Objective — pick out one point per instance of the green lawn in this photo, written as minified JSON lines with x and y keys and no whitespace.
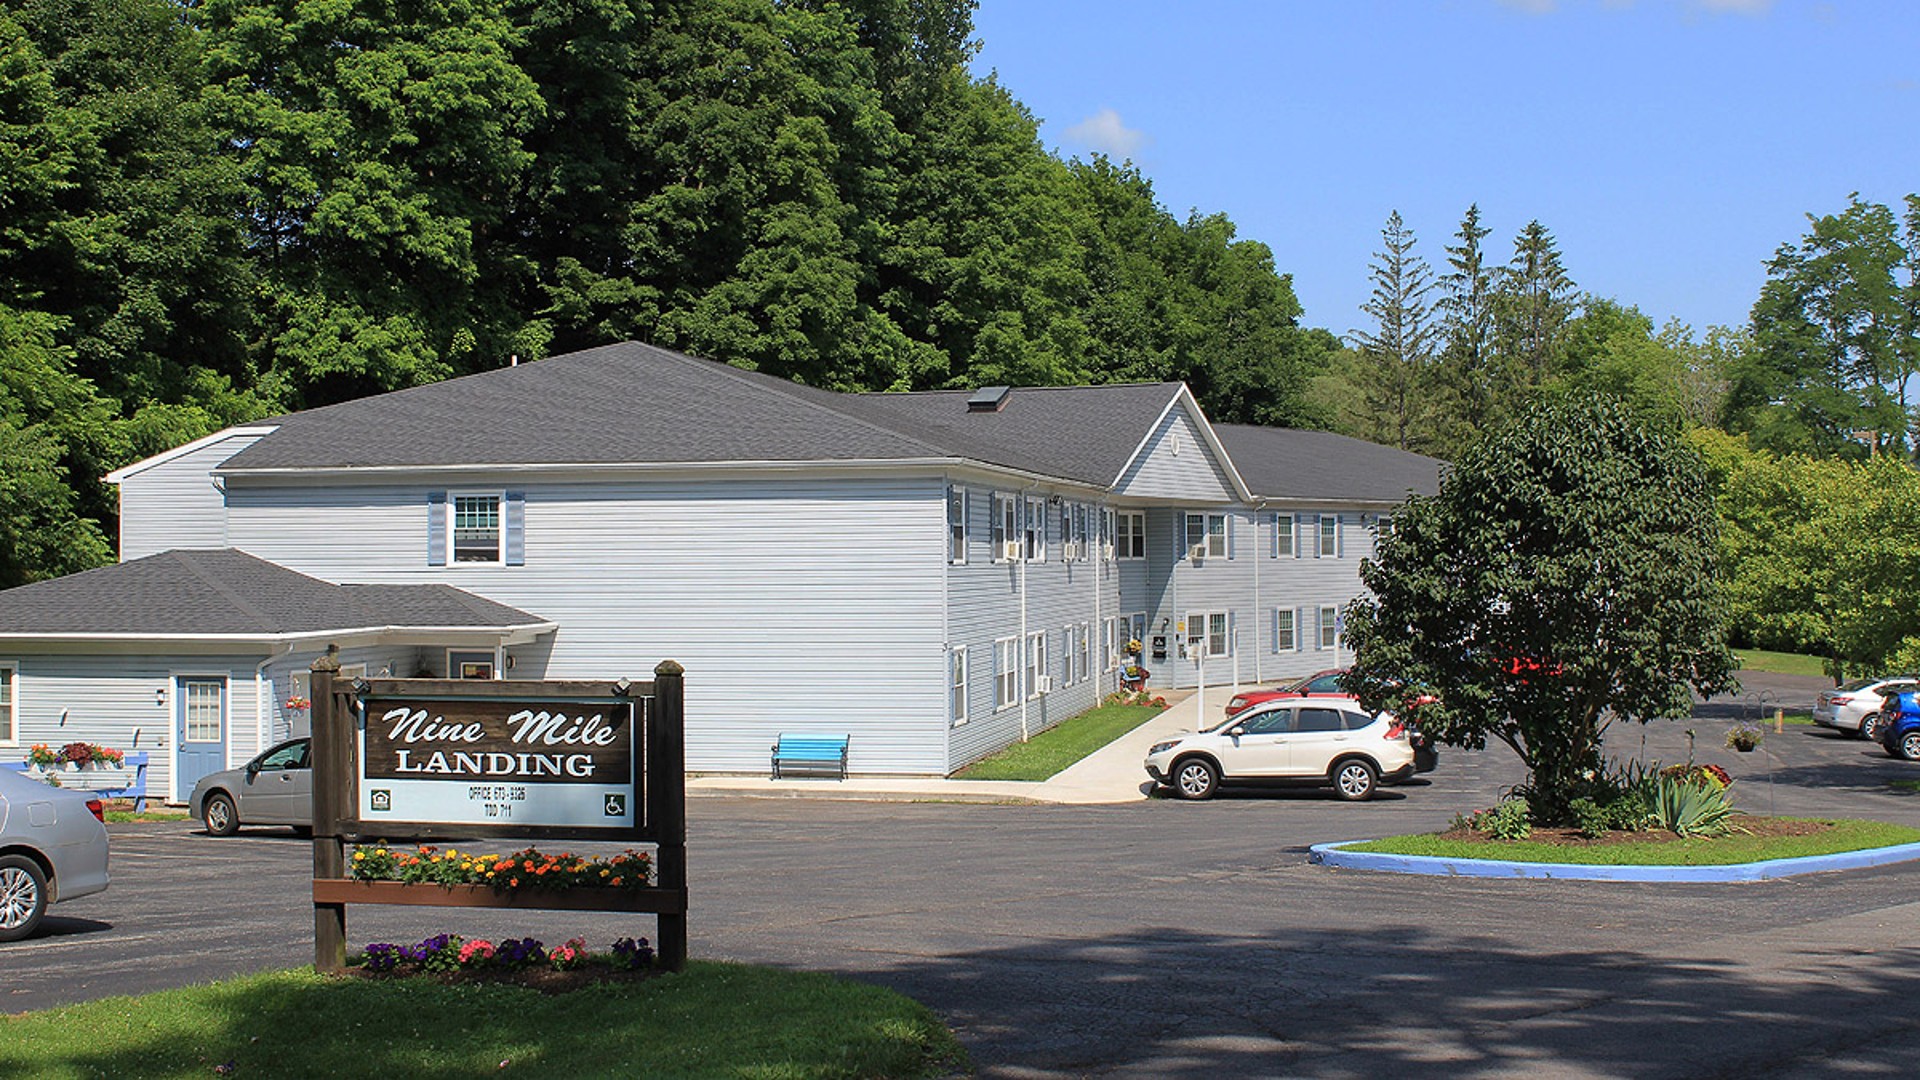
{"x":716,"y":1020}
{"x":1061,"y":745}
{"x":121,"y":817}
{"x":1846,"y":835}
{"x":1780,"y":663}
{"x":1911,"y":787}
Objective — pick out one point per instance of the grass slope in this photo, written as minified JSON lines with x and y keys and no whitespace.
{"x":1780,"y":663}
{"x":715,"y":1020}
{"x":1061,"y":745}
{"x":1845,"y":835}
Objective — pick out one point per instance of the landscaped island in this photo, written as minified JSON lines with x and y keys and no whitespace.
{"x":1750,"y":839}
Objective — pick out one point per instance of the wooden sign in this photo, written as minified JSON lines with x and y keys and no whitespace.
{"x":522,"y":757}
{"x":423,"y":759}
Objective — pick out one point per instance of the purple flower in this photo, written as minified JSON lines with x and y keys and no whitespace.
{"x":517,"y":952}
{"x":382,"y":956}
{"x":635,"y":954}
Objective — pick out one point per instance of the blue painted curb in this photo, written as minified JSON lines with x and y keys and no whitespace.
{"x":1334,"y":855}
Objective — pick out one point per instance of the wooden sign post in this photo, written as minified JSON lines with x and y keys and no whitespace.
{"x":420,"y":759}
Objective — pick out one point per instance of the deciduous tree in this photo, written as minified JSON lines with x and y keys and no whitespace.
{"x":1562,"y":580}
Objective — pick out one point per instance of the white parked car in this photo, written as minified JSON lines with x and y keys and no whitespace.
{"x":1855,"y":706}
{"x":1290,"y":741}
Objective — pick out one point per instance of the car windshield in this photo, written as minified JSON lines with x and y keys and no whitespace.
{"x":1859,"y":684}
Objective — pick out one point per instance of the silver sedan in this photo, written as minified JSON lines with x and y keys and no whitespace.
{"x":53,"y":847}
{"x":275,"y":788}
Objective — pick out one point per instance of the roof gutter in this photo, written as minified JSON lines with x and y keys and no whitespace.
{"x":290,"y":638}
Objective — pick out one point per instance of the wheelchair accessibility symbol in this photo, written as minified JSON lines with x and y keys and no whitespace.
{"x":616,"y":805}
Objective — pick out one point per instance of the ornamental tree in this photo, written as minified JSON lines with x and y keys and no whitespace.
{"x":1562,"y":579}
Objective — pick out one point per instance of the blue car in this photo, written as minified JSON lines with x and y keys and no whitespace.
{"x":1901,"y":736}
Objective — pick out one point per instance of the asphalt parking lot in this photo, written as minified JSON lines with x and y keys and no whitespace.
{"x":1173,"y":939}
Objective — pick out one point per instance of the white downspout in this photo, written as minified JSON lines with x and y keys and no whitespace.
{"x":260,"y":697}
{"x":1259,"y":508}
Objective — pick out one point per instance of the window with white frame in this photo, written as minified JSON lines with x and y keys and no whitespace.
{"x":476,"y":534}
{"x":957,"y":686}
{"x":204,"y":708}
{"x":1132,"y":537}
{"x":1109,"y":549}
{"x":9,"y":728}
{"x":1034,"y":545}
{"x":1329,"y":626}
{"x":1082,"y":653}
{"x":1084,"y":520}
{"x":1072,"y":523}
{"x":1208,"y":630}
{"x":1036,"y":661}
{"x":1284,"y":526}
{"x":1110,"y":643}
{"x":1006,"y":672}
{"x":1134,"y":628}
{"x":1329,"y":536}
{"x":957,"y":526}
{"x":1207,"y":536}
{"x":1006,"y":527}
{"x":1284,"y":638}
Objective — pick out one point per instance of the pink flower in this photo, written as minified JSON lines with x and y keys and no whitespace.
{"x":477,"y":951}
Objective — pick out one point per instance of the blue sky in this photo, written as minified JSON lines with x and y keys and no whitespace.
{"x":1670,"y":145}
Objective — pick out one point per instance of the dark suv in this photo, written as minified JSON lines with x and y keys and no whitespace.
{"x":1901,"y":734}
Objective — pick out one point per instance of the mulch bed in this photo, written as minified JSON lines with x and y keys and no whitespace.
{"x":1743,"y":824}
{"x":544,"y":979}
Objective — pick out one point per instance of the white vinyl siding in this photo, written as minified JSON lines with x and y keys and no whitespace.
{"x":1175,"y":462}
{"x":1006,"y":672}
{"x":176,"y":504}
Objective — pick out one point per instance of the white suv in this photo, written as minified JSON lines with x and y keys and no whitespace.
{"x":1299,"y":740}
{"x":1856,"y":706}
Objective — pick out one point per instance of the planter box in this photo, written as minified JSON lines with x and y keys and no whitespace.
{"x":349,"y":891}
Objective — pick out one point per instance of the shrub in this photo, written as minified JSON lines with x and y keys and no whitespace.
{"x":1590,"y":817}
{"x":1511,"y":820}
{"x":1691,"y":806}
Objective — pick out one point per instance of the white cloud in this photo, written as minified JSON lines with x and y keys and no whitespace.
{"x":1104,"y":133}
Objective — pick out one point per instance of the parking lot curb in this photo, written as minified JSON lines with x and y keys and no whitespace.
{"x":1335,"y":855}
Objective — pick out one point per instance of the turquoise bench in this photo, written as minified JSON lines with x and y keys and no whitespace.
{"x":810,"y":754}
{"x":135,"y":788}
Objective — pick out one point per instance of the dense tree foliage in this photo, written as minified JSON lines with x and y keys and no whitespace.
{"x":1562,"y":579}
{"x":216,"y":211}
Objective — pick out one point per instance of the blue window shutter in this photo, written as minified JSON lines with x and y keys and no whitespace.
{"x":436,"y":528}
{"x":515,"y":522}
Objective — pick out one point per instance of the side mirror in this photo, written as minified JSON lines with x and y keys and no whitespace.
{"x":253,"y":769}
{"x":1236,"y":731}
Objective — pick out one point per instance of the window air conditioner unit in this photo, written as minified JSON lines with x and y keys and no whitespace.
{"x":1010,"y":550}
{"x":1043,"y":684}
{"x":1199,"y":551}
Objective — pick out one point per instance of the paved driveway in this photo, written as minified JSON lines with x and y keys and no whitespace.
{"x":1174,"y":939}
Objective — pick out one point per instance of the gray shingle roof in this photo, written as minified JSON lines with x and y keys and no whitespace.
{"x":632,"y":404}
{"x":1288,"y":463}
{"x":227,"y":592}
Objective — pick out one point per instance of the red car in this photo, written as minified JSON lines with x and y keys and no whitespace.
{"x":1323,"y":683}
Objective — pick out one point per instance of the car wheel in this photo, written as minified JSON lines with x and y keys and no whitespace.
{"x":23,"y":896}
{"x":1354,"y":780}
{"x":221,"y":818}
{"x":1909,"y":745}
{"x":1195,"y":778}
{"x":1870,"y":726}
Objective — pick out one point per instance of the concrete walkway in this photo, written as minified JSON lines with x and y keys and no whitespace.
{"x":1112,"y":774}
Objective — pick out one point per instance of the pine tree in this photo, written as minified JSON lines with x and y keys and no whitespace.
{"x":1536,"y":298}
{"x":1396,"y":359}
{"x":1467,"y":324}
